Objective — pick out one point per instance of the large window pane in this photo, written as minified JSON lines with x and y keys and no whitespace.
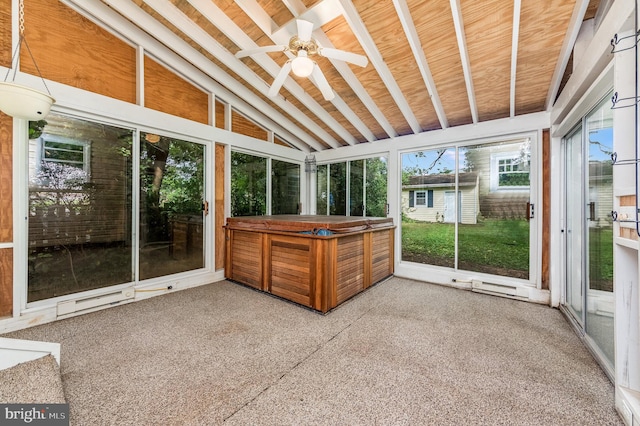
{"x":322,"y":191}
{"x":356,"y":188}
{"x":376,"y":187}
{"x":79,"y":206}
{"x":428,"y":209}
{"x":338,"y":189}
{"x":171,"y":197}
{"x":493,"y":192}
{"x":285,"y":187}
{"x":248,"y":185}
{"x":600,"y":301}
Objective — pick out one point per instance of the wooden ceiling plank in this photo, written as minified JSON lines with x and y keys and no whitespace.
{"x":464,"y":56}
{"x":363,"y":36}
{"x":114,"y":20}
{"x":577,"y":17}
{"x":416,"y":47}
{"x":237,"y":35}
{"x":514,"y":57}
{"x":258,"y":14}
{"x":159,"y":37}
{"x":196,"y":33}
{"x":347,"y":74}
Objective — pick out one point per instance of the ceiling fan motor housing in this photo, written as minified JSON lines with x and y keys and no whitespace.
{"x":310,"y":46}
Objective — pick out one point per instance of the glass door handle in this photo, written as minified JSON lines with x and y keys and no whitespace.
{"x":530,"y":211}
{"x":205,"y":207}
{"x":592,"y":211}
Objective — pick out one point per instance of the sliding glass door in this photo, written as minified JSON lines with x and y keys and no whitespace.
{"x":589,"y":228}
{"x":83,"y":230}
{"x":171,"y":206}
{"x":469,"y":208}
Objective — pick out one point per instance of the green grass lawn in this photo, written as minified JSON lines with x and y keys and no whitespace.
{"x":498,"y":247}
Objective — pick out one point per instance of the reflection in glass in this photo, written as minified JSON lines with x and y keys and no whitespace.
{"x":574,"y":223}
{"x":248,"y":185}
{"x":79,"y":206}
{"x":356,"y":188}
{"x":338,"y":189}
{"x":600,"y":303}
{"x":322,"y":192}
{"x":376,"y":187}
{"x":493,"y":223}
{"x":171,"y":197}
{"x":285,"y":187}
{"x":428,"y":231}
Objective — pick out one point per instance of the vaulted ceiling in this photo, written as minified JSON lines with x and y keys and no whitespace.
{"x":432,"y":64}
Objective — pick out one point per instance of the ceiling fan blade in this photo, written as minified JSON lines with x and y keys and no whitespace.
{"x":341,"y":55}
{"x":305,"y":28}
{"x":280,"y":78}
{"x":264,"y":49}
{"x":322,"y":83}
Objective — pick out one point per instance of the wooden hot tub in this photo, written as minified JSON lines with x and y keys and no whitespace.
{"x":316,"y":261}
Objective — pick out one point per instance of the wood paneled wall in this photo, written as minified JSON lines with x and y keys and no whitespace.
{"x":220,"y":107}
{"x":165,"y":91}
{"x":5,"y":33}
{"x":6,"y":178}
{"x":70,"y":49}
{"x":219,"y":208}
{"x":6,"y":282}
{"x":6,"y":214}
{"x":546,"y":206}
{"x":244,"y":126}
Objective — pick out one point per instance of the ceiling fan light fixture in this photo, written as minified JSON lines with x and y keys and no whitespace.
{"x":302,"y":66}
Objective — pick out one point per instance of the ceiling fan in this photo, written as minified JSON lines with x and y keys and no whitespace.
{"x":304,"y":48}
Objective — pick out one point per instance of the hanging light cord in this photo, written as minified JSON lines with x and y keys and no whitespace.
{"x":22,"y":39}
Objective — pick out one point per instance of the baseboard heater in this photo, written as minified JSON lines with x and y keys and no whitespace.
{"x":94,"y":303}
{"x":482,"y":287}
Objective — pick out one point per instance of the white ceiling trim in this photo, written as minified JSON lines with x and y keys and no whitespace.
{"x":363,"y":36}
{"x":573,"y":29}
{"x":464,"y":57}
{"x":318,"y":15}
{"x":109,"y":18}
{"x":418,"y":52}
{"x":218,"y":18}
{"x":515,"y":37}
{"x":170,"y":12}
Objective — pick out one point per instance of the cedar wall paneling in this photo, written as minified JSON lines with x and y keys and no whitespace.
{"x":244,"y":126}
{"x":5,"y":33}
{"x":219,"y":207}
{"x":6,"y":282}
{"x":6,"y":178}
{"x":6,"y":217}
{"x":279,"y":141}
{"x":546,"y":206}
{"x":164,"y":91}
{"x":70,"y":49}
{"x":219,"y":114}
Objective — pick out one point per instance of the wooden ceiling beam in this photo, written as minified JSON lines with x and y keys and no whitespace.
{"x":370,"y":48}
{"x":514,"y":56}
{"x":464,"y":57}
{"x":218,"y":18}
{"x":571,"y":36}
{"x":418,"y":52}
{"x":194,"y":66}
{"x":196,"y":33}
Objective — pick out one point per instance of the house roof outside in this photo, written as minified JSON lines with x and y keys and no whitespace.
{"x":441,"y":180}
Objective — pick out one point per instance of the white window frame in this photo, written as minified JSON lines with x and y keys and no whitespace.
{"x":495,"y":172}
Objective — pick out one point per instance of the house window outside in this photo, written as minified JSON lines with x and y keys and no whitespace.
{"x":511,"y":173}
{"x":58,"y":154}
{"x":423,"y":198}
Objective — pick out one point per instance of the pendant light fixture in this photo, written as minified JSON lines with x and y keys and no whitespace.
{"x":21,"y":101}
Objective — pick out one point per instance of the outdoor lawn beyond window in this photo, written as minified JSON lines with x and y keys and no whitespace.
{"x":478,"y":193}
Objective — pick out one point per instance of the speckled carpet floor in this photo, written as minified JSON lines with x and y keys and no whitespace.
{"x":402,"y":353}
